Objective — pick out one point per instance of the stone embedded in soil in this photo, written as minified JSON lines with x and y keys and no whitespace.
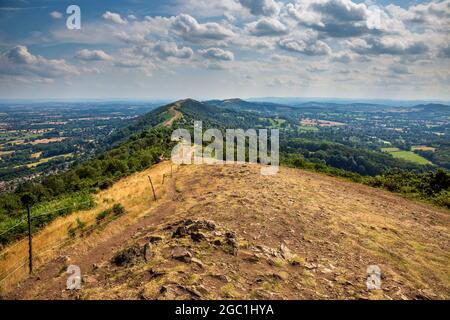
{"x":148,"y":252}
{"x":197,"y":236}
{"x":181,"y":254}
{"x":127,"y":256}
{"x":197,"y":262}
{"x":285,"y":252}
{"x":155,"y":239}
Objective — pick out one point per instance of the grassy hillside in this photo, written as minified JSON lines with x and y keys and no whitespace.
{"x":226,"y":232}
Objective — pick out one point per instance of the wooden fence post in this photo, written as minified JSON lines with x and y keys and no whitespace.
{"x":153,"y":189}
{"x":30,"y":240}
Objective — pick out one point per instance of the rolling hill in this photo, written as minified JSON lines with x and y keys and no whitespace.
{"x":227,"y":232}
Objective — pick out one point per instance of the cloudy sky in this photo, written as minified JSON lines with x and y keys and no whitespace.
{"x":142,"y":49}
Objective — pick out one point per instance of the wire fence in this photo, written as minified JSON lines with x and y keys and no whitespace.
{"x":21,"y":263}
{"x":50,"y":248}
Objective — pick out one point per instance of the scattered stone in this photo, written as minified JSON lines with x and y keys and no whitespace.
{"x":155,"y":239}
{"x":155,"y":273}
{"x":197,"y":262}
{"x":197,"y":236}
{"x":148,"y":253}
{"x":220,"y":277}
{"x":282,"y":275}
{"x":180,"y":232}
{"x":181,"y":254}
{"x":127,"y":256}
{"x":252,"y":258}
{"x":89,"y":279}
{"x":310,"y":266}
{"x":285,"y":252}
{"x":202,"y":290}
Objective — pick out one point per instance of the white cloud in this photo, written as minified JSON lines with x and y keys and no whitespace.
{"x":56,"y":15}
{"x":93,"y":55}
{"x":308,"y":47}
{"x":190,"y":30}
{"x":217,"y":54}
{"x":267,"y":27}
{"x":262,"y":7}
{"x":170,"y":49}
{"x":114,"y":17}
{"x":19,"y":61}
{"x":388,"y":46}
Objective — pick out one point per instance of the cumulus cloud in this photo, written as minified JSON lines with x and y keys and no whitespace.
{"x":19,"y":61}
{"x":339,"y":18}
{"x":217,"y":54}
{"x":444,"y":52}
{"x":191,"y":30}
{"x":267,"y":27}
{"x":114,"y":17}
{"x":92,"y":55}
{"x":170,"y":49}
{"x":388,"y":46}
{"x":433,"y":12}
{"x":342,"y":57}
{"x":56,"y":15}
{"x":261,"y":7}
{"x":308,"y":47}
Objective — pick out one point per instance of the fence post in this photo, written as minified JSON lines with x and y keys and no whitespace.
{"x":30,"y":238}
{"x":153,"y":189}
{"x":171,"y":171}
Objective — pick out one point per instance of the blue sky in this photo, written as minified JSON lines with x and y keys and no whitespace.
{"x":229,"y":48}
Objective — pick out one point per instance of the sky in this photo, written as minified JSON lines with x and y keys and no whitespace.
{"x":204,"y":49}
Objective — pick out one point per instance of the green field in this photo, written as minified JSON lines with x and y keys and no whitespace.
{"x":406,"y":155}
{"x":390,"y":149}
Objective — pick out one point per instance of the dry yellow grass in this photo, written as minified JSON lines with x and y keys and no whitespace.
{"x":132,"y":192}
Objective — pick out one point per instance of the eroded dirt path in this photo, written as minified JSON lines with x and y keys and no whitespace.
{"x":174,"y":113}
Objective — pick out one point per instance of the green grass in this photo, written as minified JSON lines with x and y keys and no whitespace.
{"x":409,"y":156}
{"x":13,"y":228}
{"x":390,"y":149}
{"x":307,"y":128}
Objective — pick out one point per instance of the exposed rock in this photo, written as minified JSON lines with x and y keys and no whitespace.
{"x":197,"y":236}
{"x":180,"y":232}
{"x":181,"y":254}
{"x":285,"y":252}
{"x":128,"y":256}
{"x":197,"y":262}
{"x":89,"y":279}
{"x":202,"y":290}
{"x":155,"y":273}
{"x":155,"y":239}
{"x":148,"y":253}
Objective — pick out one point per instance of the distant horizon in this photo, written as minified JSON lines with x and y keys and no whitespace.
{"x":270,"y":99}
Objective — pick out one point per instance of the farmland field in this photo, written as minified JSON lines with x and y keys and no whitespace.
{"x":409,"y":156}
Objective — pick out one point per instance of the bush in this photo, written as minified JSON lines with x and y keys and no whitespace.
{"x":118,"y":209}
{"x":102,"y":215}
